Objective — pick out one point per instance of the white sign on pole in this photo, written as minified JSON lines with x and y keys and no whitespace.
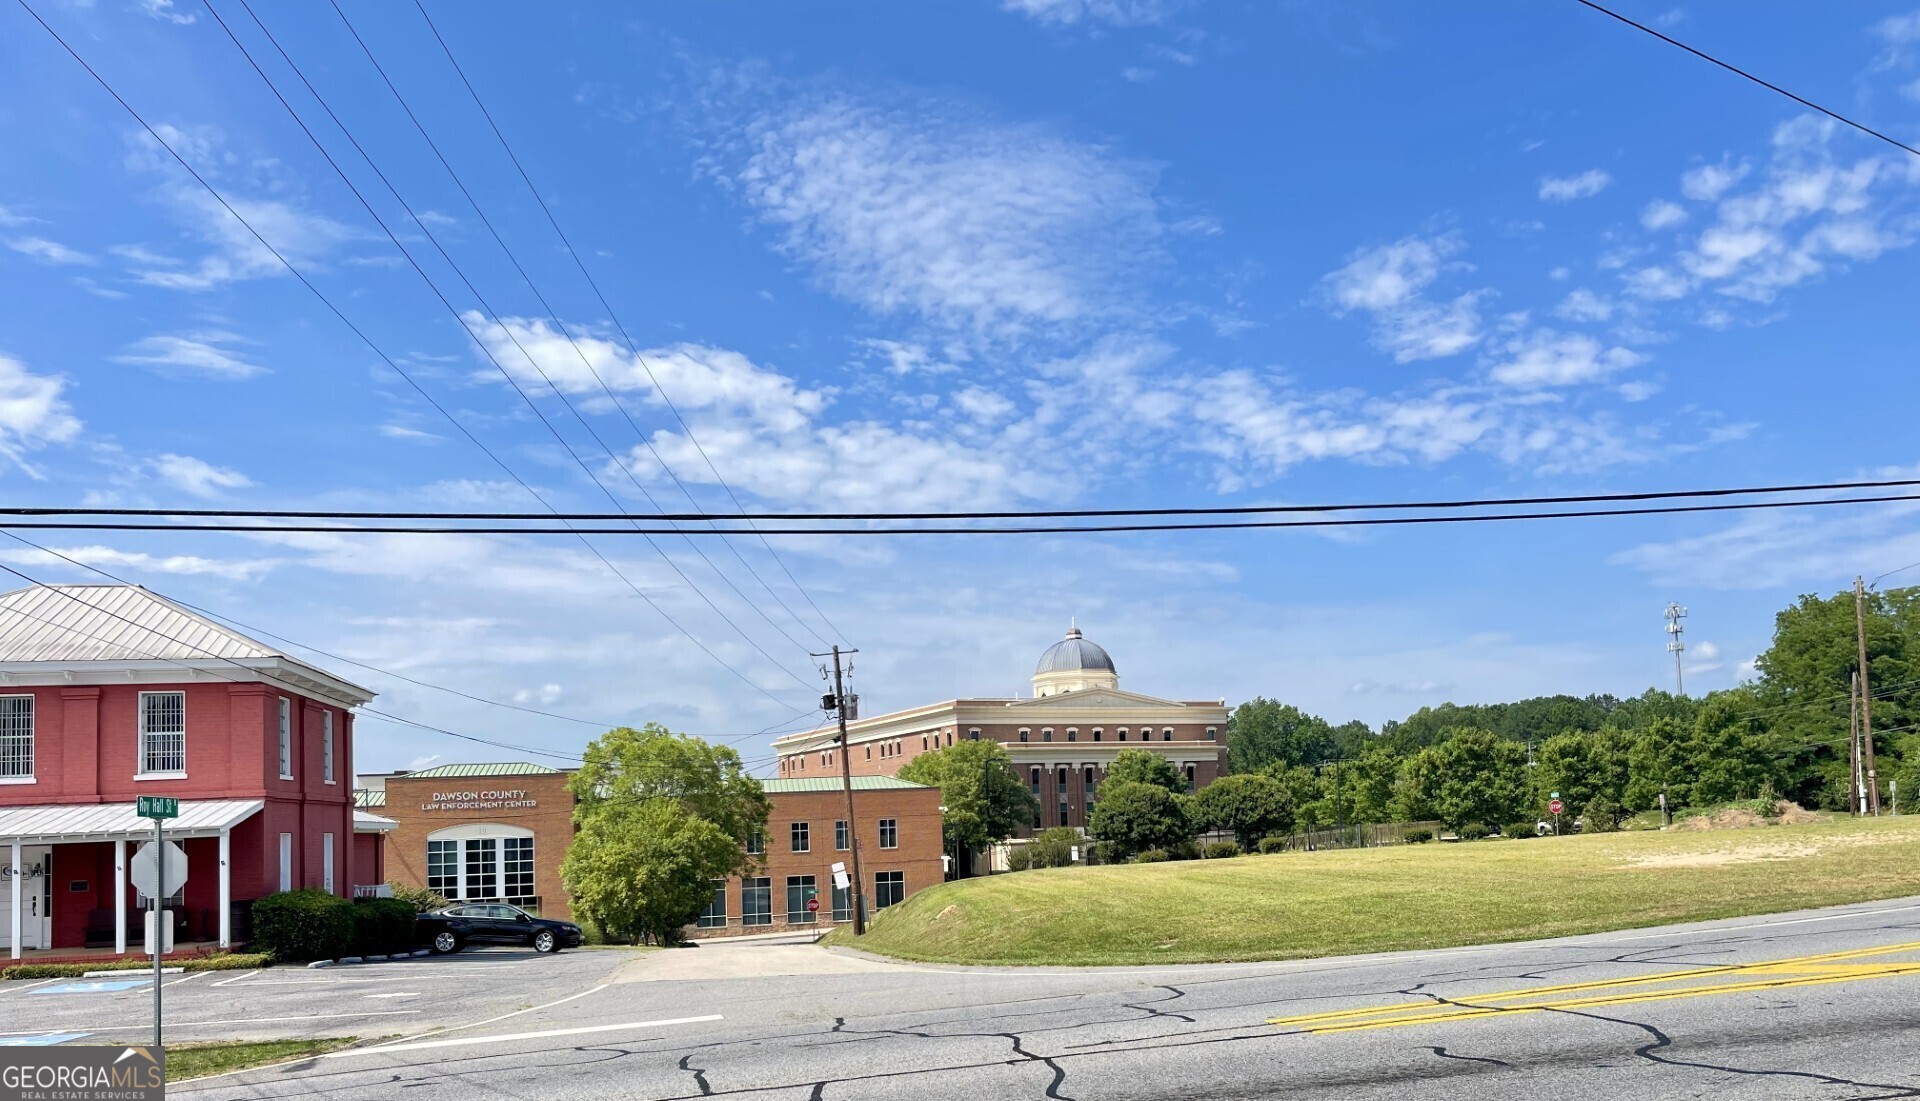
{"x":840,"y":879}
{"x":145,"y":871}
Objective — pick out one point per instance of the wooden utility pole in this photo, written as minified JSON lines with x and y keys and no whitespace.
{"x":1856,"y":787}
{"x":1866,"y":696}
{"x":846,"y":784}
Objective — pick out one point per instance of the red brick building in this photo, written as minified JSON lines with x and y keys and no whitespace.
{"x":109,"y":692}
{"x":1061,"y":739}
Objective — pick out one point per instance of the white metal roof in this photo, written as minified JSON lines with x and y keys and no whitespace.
{"x":364,"y":822}
{"x":69,"y":822}
{"x":92,"y":630}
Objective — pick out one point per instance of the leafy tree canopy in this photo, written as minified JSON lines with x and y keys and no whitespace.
{"x":1143,"y":766}
{"x":1251,"y":806}
{"x":1134,"y":817}
{"x":985,"y":802}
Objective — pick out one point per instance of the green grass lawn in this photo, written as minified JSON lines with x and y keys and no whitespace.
{"x":199,"y":1060}
{"x":1294,"y":905}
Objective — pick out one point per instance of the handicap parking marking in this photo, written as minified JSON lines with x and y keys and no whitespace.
{"x":44,"y":1039}
{"x":94,"y":986}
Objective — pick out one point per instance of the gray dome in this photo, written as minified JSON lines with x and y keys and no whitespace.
{"x":1074,"y":653}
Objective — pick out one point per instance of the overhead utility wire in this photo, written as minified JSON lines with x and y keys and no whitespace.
{"x":252,"y":674}
{"x":1219,"y":510}
{"x":624,"y":467}
{"x":312,"y":648}
{"x":454,"y":310}
{"x":1737,"y":71}
{"x":567,"y":332}
{"x":368,"y":341}
{"x":627,"y":338}
{"x":1054,"y":529}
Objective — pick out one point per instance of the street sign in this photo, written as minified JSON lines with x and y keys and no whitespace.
{"x":145,"y":870}
{"x":813,"y":905}
{"x":1555,"y":807}
{"x":1555,"y":795}
{"x":157,"y":806}
{"x":840,"y":879}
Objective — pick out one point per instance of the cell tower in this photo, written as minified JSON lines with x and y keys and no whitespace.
{"x":1676,"y":644}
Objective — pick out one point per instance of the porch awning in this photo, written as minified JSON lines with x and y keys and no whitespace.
{"x":72,"y":822}
{"x":372,"y":823}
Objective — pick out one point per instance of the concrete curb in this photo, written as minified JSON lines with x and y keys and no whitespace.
{"x":130,"y":973}
{"x":417,"y":953}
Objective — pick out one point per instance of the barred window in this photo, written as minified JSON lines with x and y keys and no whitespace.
{"x":16,"y":737}
{"x":163,"y":732}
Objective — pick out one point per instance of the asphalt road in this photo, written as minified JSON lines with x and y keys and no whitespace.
{"x":371,"y":1000}
{"x":1824,"y":1004}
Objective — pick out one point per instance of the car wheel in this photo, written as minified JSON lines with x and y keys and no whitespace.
{"x":444,"y":942}
{"x":544,"y":941}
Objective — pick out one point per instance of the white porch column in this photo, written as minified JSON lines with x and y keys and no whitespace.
{"x":19,"y":928}
{"x":120,"y":898}
{"x":226,"y":888}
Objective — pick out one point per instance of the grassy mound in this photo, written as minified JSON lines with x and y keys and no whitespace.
{"x":1295,"y":905}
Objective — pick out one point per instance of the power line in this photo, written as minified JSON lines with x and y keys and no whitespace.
{"x":567,"y":332}
{"x":1219,"y":510}
{"x":315,"y":649}
{"x":627,"y":338}
{"x":1050,"y":529}
{"x":1737,"y":71}
{"x":361,"y":334}
{"x":453,"y":310}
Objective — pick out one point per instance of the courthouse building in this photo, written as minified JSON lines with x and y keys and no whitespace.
{"x":1061,"y":738}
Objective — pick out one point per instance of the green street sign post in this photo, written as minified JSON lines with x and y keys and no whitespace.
{"x":159,"y":808}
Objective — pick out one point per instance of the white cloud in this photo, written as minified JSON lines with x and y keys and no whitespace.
{"x":33,"y":412}
{"x":196,"y":476}
{"x":1706,"y":651}
{"x":1708,"y":182}
{"x":927,"y":208}
{"x":402,"y":432}
{"x":904,"y":357}
{"x":1067,"y":13}
{"x":1662,"y":214}
{"x":546,"y":695}
{"x":1637,"y":390}
{"x":110,"y":558}
{"x":1584,"y":305}
{"x":983,"y":405}
{"x":1560,"y":189}
{"x":194,"y":353}
{"x":164,"y":10}
{"x":1657,"y":284}
{"x":1911,"y":90}
{"x":1547,"y":358}
{"x":1388,"y":281}
{"x":1802,"y":550}
{"x":10,"y":217}
{"x":53,"y":252}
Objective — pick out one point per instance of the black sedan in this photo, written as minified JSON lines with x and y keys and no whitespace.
{"x":454,"y":927}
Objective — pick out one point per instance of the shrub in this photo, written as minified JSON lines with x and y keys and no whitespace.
{"x":1518,"y":830}
{"x":1106,"y":852}
{"x":1419,"y":837}
{"x":1600,"y":816}
{"x":1151,"y":856}
{"x":304,"y":925}
{"x":220,"y":961}
{"x":1273,"y":844}
{"x":1018,"y":858}
{"x":382,"y":927}
{"x":1053,"y":848}
{"x":1184,"y":850}
{"x":1472,"y":831}
{"x":1220,"y":850}
{"x":422,"y":900}
{"x":228,"y":961}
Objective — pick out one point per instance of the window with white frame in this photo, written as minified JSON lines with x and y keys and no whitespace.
{"x":482,"y":862}
{"x":326,"y":746}
{"x":443,"y":868}
{"x":16,"y":737}
{"x":163,"y":733}
{"x":756,"y":901}
{"x":715,"y":915}
{"x":286,"y":738}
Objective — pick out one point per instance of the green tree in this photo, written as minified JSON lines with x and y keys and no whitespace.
{"x":626,"y":766}
{"x":985,"y":802}
{"x":1658,"y":762}
{"x":1134,"y":817}
{"x":646,"y":869}
{"x":1053,"y":848}
{"x":1263,"y":732}
{"x":1478,"y":776}
{"x":1565,"y":763}
{"x":1413,"y":787}
{"x":1369,"y":780}
{"x":1729,"y":756}
{"x":1143,"y":766}
{"x":1250,"y":806}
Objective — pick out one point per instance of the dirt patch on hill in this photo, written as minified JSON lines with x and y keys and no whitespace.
{"x":1785,"y":813}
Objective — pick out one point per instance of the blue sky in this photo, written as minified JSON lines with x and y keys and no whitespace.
{"x":1045,"y":253}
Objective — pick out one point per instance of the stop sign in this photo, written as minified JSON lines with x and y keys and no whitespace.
{"x":1555,"y":807}
{"x":813,"y":906}
{"x":145,"y":872}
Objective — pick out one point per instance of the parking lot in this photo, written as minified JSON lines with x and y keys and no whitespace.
{"x":397,"y":998}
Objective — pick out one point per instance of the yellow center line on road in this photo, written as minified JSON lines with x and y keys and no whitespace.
{"x":1798,"y":971}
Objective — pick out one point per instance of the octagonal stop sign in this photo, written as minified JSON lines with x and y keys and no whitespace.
{"x":1555,"y":807}
{"x":813,"y":905}
{"x":146,"y":868}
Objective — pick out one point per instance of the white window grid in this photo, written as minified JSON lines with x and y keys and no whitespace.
{"x":163,"y":732}
{"x":16,"y":737}
{"x":286,"y":738}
